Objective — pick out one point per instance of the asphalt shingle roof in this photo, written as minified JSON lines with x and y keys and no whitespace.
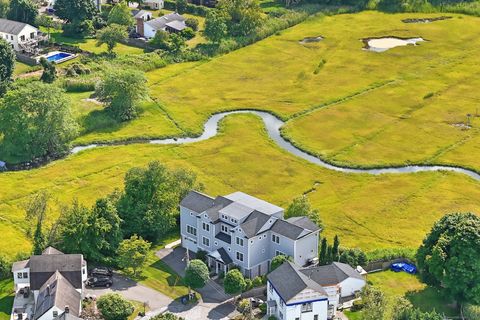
{"x":254,"y":222}
{"x":197,"y":201}
{"x":289,"y":281}
{"x":303,"y":222}
{"x":288,"y":230}
{"x":11,"y":27}
{"x":331,"y":274}
{"x":57,"y":291}
{"x":42,"y":267}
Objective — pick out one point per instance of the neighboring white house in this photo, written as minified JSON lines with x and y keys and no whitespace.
{"x":48,"y":286}
{"x":241,"y":230}
{"x":312,"y":293}
{"x":172,"y":22}
{"x":142,"y":14}
{"x":153,"y":4}
{"x":22,"y":36}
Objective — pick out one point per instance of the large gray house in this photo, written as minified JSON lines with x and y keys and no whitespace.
{"x":238,"y":229}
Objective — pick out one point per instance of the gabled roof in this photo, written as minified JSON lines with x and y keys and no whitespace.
{"x":254,"y":222}
{"x":289,"y":230}
{"x":43,"y":266}
{"x":141,"y":13}
{"x":11,"y":27}
{"x":161,"y":23}
{"x":51,"y":250}
{"x":221,"y":255}
{"x":289,"y":281}
{"x":254,"y":203}
{"x":57,"y":291}
{"x":331,"y":274}
{"x":197,"y":201}
{"x":303,"y":222}
{"x":218,"y":204}
{"x":19,"y":265}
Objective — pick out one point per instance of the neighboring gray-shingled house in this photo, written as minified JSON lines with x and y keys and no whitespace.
{"x":49,"y":285}
{"x":311,"y":293}
{"x":238,"y":229}
{"x":172,"y":22}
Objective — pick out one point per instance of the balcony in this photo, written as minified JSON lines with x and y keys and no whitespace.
{"x":224,"y":237}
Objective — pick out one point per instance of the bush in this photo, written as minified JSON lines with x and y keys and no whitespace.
{"x":196,"y":274}
{"x":192,"y":23}
{"x":201,"y":255}
{"x":357,"y":305}
{"x":391,"y":253}
{"x":354,"y":257}
{"x":5,"y":266}
{"x":244,"y":306}
{"x":471,"y":312}
{"x":249,"y":284}
{"x":234,"y":282}
{"x":187,"y":33}
{"x":77,"y":69}
{"x":190,"y":8}
{"x":79,"y":85}
{"x":272,"y":318}
{"x":263,"y":308}
{"x":114,"y":307}
{"x":257,"y":282}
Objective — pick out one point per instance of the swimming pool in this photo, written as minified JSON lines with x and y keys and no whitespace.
{"x":59,"y":57}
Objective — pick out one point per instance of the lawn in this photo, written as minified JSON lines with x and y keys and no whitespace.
{"x":402,"y":284}
{"x":365,"y":211}
{"x":6,"y":298}
{"x":90,"y":44}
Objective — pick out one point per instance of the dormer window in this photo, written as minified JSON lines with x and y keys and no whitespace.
{"x":224,"y":228}
{"x":233,"y":220}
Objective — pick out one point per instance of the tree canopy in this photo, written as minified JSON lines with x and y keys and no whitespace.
{"x":132,"y":253}
{"x":374,"y":303}
{"x":120,"y":14}
{"x":149,"y":204}
{"x":36,"y":121}
{"x":234,"y":282}
{"x":449,"y":257}
{"x":22,"y":11}
{"x":300,"y":207}
{"x":196,"y":274}
{"x":121,"y":90}
{"x":7,"y":65}
{"x":215,"y":26}
{"x":111,"y":35}
{"x":75,"y":10}
{"x":243,"y":16}
{"x":114,"y":307}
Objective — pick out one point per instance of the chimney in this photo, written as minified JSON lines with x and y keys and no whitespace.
{"x":67,"y":309}
{"x":140,"y":27}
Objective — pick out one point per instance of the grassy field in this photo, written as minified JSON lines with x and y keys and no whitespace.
{"x":6,"y":298}
{"x":402,"y":284}
{"x":366,"y":211}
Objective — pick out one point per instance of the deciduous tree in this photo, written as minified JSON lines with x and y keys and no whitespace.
{"x":215,"y":26}
{"x":36,"y":209}
{"x":22,"y":11}
{"x":121,"y":14}
{"x":149,"y":204}
{"x":234,"y":283}
{"x":71,"y":10}
{"x":243,"y":16}
{"x":374,"y":303}
{"x":132,"y":253}
{"x":36,"y":121}
{"x":301,"y":207}
{"x":449,"y":257}
{"x":49,"y":71}
{"x":7,"y":61}
{"x":111,"y":35}
{"x":196,"y":274}
{"x":277,"y":261}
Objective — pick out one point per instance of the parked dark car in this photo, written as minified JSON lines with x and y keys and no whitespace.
{"x":101,"y":272}
{"x":100,"y":281}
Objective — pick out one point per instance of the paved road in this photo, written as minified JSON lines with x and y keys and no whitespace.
{"x":132,"y":290}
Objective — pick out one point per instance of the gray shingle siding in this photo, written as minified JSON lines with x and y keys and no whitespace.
{"x":251,"y":225}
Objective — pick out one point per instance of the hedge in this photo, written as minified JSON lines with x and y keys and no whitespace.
{"x":191,"y":8}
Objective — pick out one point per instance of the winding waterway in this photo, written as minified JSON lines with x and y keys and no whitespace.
{"x":273,"y":126}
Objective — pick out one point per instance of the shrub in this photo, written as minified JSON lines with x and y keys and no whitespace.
{"x":201,"y":255}
{"x":114,"y":307}
{"x":187,"y":33}
{"x":471,"y":311}
{"x":263,"y":308}
{"x":79,"y":85}
{"x":192,"y":23}
{"x":272,"y":318}
{"x":257,"y":282}
{"x":196,"y":274}
{"x":391,"y":253}
{"x":244,"y":306}
{"x":5,"y":266}
{"x":234,"y":282}
{"x":249,"y":284}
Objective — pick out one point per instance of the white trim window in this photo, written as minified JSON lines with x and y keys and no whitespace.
{"x":224,"y":228}
{"x":239,"y":241}
{"x":307,"y":307}
{"x":206,"y":226}
{"x":275,"y":238}
{"x":279,"y":253}
{"x":206,"y":242}
{"x":239,"y":256}
{"x":191,"y":230}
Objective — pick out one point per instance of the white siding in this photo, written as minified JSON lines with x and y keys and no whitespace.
{"x":350,"y":286}
{"x":306,"y":248}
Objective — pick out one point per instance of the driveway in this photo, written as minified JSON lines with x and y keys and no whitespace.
{"x":132,"y":290}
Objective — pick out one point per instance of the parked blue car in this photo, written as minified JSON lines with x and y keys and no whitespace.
{"x":402,"y":266}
